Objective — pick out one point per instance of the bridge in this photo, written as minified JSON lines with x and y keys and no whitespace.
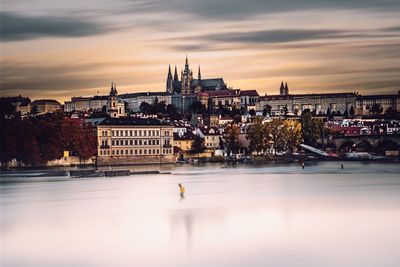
{"x":364,"y":143}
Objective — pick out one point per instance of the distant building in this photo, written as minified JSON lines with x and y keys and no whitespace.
{"x":249,"y":98}
{"x":211,"y":137}
{"x":319,"y":103}
{"x":46,"y":105}
{"x":22,"y":104}
{"x":188,"y":85}
{"x":227,"y":98}
{"x":365,"y":103}
{"x":134,"y":141}
{"x":95,"y":103}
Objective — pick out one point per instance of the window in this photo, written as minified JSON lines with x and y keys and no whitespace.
{"x":135,"y":151}
{"x":135,"y":133}
{"x":130,"y":133}
{"x":126,"y":133}
{"x":117,"y":152}
{"x":122,"y":152}
{"x":145,"y":151}
{"x":113,"y":152}
{"x":126,"y":152}
{"x":135,"y":142}
{"x":131,"y":151}
{"x":131,"y":142}
{"x":140,"y":151}
{"x":126,"y":142}
{"x":140,"y":142}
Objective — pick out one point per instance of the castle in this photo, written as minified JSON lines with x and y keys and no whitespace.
{"x":187,"y":85}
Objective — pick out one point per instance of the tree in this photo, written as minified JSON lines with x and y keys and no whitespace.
{"x":252,"y":112}
{"x":284,"y":110}
{"x":351,"y":112}
{"x":6,"y":108}
{"x":171,"y":109}
{"x":267,"y":110}
{"x":259,"y":139}
{"x":376,"y":109}
{"x":198,"y":145}
{"x":231,"y":137}
{"x":197,"y":107}
{"x":145,"y":108}
{"x":278,"y":134}
{"x":346,"y":113}
{"x":294,"y":137}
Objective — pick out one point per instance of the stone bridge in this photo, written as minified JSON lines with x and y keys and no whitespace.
{"x":364,"y":143}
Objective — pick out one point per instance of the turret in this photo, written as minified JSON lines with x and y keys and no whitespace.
{"x":176,"y":78}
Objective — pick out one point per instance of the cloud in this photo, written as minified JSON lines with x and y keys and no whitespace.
{"x":239,"y":9}
{"x":21,"y":27}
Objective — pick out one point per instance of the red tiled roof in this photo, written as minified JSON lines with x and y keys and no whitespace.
{"x":249,"y":93}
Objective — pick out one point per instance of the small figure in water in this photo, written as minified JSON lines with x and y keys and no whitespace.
{"x":181,"y":190}
{"x":341,"y":165}
{"x":302,"y":165}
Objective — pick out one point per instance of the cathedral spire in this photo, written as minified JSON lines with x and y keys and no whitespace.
{"x":176,"y":78}
{"x":286,"y":89}
{"x":282,"y":89}
{"x":169,"y":71}
{"x":199,"y":76}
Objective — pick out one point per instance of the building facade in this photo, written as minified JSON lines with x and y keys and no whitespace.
{"x":134,"y":141}
{"x":46,"y":105}
{"x":365,"y":103}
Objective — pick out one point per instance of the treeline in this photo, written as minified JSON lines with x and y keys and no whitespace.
{"x":277,"y":135}
{"x":34,"y":141}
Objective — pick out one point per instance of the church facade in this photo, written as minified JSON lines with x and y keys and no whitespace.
{"x":187,"y":85}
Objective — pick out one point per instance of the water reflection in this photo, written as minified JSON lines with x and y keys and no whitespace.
{"x":273,"y":215}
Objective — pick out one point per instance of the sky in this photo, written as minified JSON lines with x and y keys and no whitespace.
{"x":59,"y":49}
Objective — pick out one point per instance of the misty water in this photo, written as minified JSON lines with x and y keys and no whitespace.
{"x":242,"y":215}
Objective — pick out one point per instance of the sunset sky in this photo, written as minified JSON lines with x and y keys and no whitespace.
{"x":58,"y":49}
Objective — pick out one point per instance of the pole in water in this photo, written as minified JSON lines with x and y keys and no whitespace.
{"x":341,"y":166}
{"x":181,"y":190}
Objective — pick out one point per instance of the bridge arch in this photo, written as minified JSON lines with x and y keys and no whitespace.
{"x":346,"y":146}
{"x":364,"y":146}
{"x":386,"y":145}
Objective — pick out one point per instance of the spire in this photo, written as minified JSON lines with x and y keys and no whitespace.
{"x":187,"y":63}
{"x":282,"y":89}
{"x":199,"y":76}
{"x":176,"y":78}
{"x":286,"y":89}
{"x":169,"y":72}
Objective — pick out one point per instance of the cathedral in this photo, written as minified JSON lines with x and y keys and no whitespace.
{"x":187,"y":85}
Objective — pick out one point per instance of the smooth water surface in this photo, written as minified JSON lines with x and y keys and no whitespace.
{"x":271,"y":215}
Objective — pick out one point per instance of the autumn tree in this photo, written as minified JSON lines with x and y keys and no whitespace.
{"x":259,"y":140}
{"x":231,"y":138}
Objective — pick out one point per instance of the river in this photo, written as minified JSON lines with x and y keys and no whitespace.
{"x":242,"y":215}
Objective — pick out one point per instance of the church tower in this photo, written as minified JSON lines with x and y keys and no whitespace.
{"x":170,"y":81}
{"x":115,"y":107}
{"x":186,"y":79}
{"x":282,"y":89}
{"x":286,"y":89}
{"x":198,"y":88}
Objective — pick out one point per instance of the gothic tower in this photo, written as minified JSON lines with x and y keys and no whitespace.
{"x":186,"y":79}
{"x":170,"y":81}
{"x":286,"y":89}
{"x":282,"y":89}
